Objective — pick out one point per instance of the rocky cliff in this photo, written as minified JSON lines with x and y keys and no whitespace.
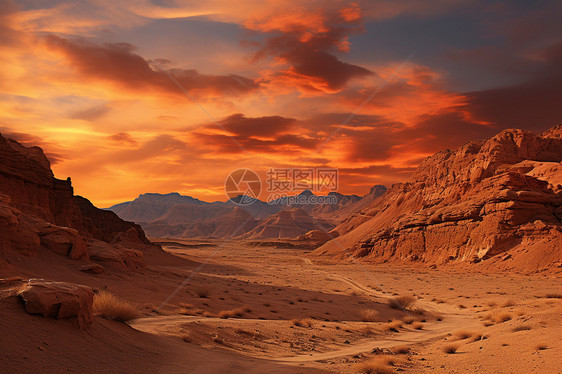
{"x":39,"y":212}
{"x":495,"y":201}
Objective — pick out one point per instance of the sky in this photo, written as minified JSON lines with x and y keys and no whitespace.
{"x":136,"y":96}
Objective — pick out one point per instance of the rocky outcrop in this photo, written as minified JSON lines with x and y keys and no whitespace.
{"x":58,"y":300}
{"x":486,"y":200}
{"x":39,"y":212}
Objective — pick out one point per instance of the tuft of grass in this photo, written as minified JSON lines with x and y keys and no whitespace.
{"x":401,"y":302}
{"x":541,"y":347}
{"x":307,"y":322}
{"x":450,"y":348}
{"x":111,"y":307}
{"x":379,"y":365}
{"x":508,"y":303}
{"x":521,"y":328}
{"x":368,"y":315}
{"x":233,"y":313}
{"x":417,"y":326}
{"x":498,"y":317}
{"x":393,"y":326}
{"x":409,"y":320}
{"x":203,"y":292}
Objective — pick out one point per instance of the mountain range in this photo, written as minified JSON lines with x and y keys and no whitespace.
{"x":174,"y":215}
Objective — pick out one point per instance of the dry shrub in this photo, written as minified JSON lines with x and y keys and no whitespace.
{"x":401,"y":302}
{"x":203,"y":292}
{"x":409,"y":320}
{"x":233,"y":313}
{"x":404,"y":350}
{"x":368,"y":315}
{"x":465,"y":334}
{"x":417,"y":326}
{"x":109,"y":306}
{"x":393,"y":326}
{"x":186,"y":338}
{"x":379,"y":365}
{"x":553,"y":295}
{"x":450,"y":348}
{"x":508,"y":303}
{"x":541,"y":347}
{"x":521,"y":328}
{"x":498,"y":317}
{"x":307,"y":322}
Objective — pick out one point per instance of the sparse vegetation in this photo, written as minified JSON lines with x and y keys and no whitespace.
{"x":553,"y":296}
{"x":307,"y":322}
{"x":417,"y":326}
{"x":109,"y":306}
{"x":497,"y":317}
{"x":233,"y":313}
{"x":368,"y":315}
{"x":203,"y":292}
{"x":450,"y":348}
{"x":379,"y":365}
{"x":393,"y":326}
{"x":521,"y":328}
{"x":541,"y":347}
{"x":401,"y":302}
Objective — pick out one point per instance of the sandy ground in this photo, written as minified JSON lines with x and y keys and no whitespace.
{"x":241,"y":308}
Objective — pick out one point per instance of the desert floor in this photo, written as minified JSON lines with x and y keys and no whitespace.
{"x":240,"y":307}
{"x":286,"y":306}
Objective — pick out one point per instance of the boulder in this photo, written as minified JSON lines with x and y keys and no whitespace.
{"x":64,"y":241}
{"x":58,"y":300}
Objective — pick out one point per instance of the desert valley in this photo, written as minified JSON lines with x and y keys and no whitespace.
{"x":455,"y":271}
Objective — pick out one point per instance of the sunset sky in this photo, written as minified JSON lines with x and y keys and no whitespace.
{"x":96,"y":84}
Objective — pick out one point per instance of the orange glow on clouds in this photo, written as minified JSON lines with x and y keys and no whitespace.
{"x":116,"y":122}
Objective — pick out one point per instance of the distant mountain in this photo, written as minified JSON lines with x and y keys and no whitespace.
{"x":174,"y":215}
{"x":288,"y":223}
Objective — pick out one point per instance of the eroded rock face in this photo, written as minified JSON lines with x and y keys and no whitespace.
{"x":472,"y":204}
{"x":58,"y":300}
{"x":40,"y":212}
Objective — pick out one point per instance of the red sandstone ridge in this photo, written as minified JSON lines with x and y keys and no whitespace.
{"x":495,"y":202}
{"x":39,"y":212}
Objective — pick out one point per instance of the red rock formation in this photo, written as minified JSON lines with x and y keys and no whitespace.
{"x":58,"y":300}
{"x":490,"y":199}
{"x":38,"y":211}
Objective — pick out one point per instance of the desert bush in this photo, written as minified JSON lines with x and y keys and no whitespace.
{"x":450,"y":348}
{"x":233,"y":313}
{"x":393,"y":326}
{"x":307,"y":322}
{"x":401,"y":302}
{"x":541,"y":347}
{"x":379,"y":365}
{"x":553,"y":295}
{"x":368,"y":315}
{"x":417,"y":326}
{"x":409,"y":320}
{"x":203,"y":292}
{"x":508,"y":303}
{"x":109,"y":306}
{"x":498,"y":317}
{"x":521,"y":328}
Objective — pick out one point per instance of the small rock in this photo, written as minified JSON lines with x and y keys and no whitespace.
{"x":92,"y":269}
